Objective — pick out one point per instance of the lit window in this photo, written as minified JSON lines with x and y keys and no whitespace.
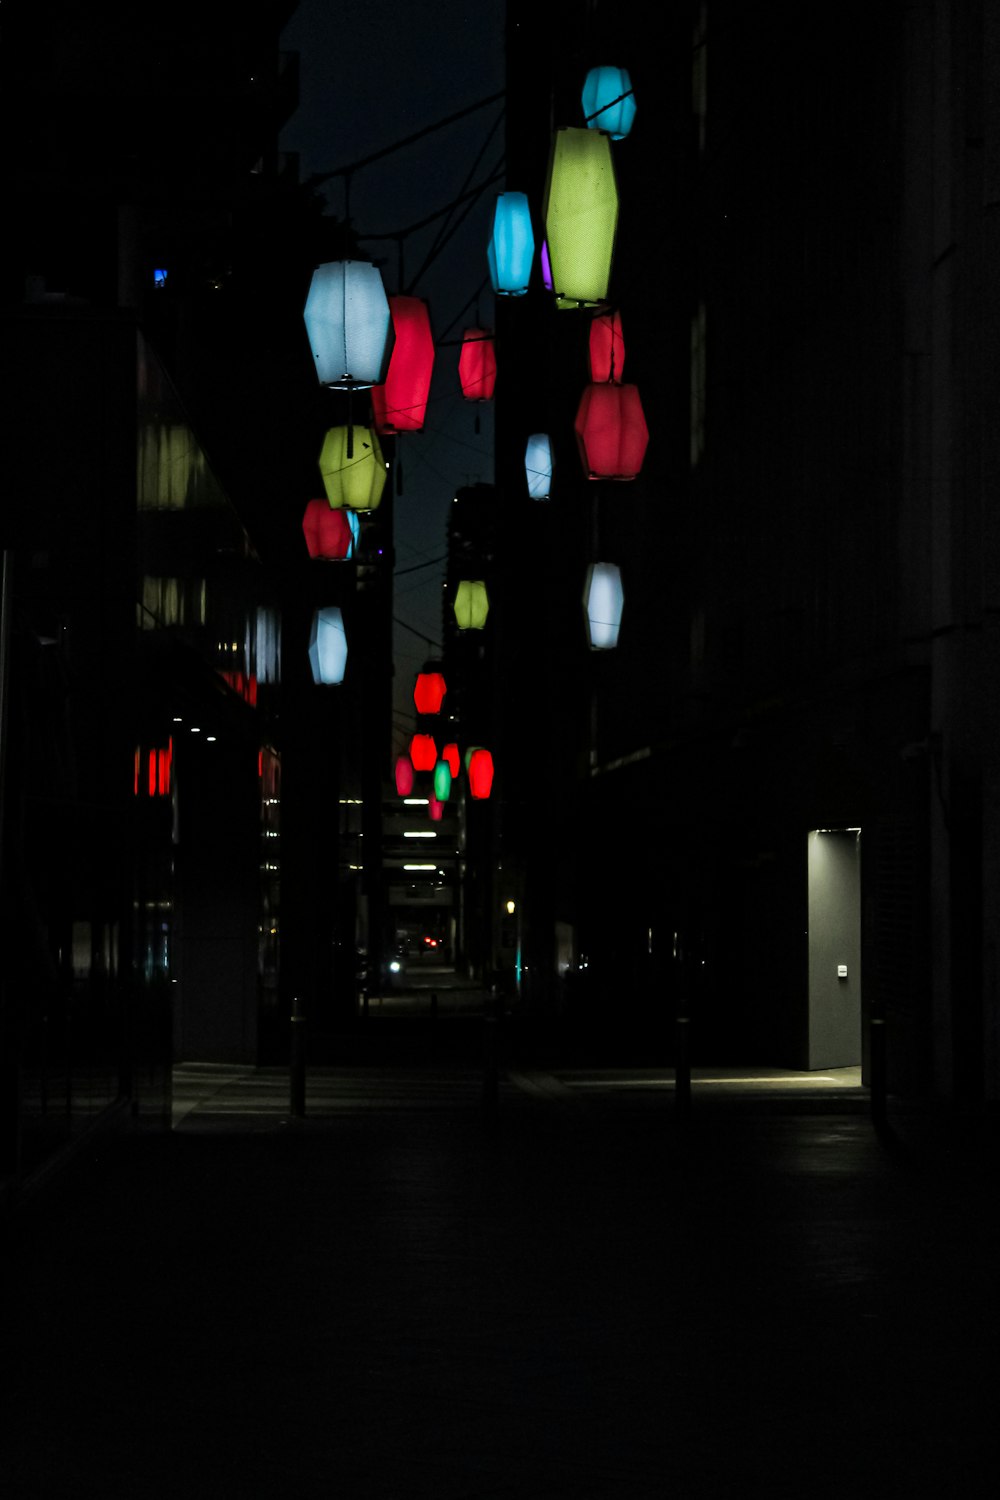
{"x":160,"y":279}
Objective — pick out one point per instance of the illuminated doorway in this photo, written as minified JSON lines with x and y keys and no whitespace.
{"x":834,"y":875}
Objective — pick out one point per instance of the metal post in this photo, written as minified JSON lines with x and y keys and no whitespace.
{"x":682,"y":1066}
{"x":297,"y":1062}
{"x":877,"y":1064}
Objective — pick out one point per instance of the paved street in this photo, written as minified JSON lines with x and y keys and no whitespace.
{"x":580,"y":1295}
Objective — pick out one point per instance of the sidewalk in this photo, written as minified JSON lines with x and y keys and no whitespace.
{"x":399,"y":1298}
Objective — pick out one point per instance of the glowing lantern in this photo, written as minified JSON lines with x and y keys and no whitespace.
{"x":404,"y":775}
{"x":512,"y":245}
{"x":423,"y":752}
{"x":608,"y":101}
{"x":607,"y":349}
{"x":546,"y":266}
{"x":435,"y":808}
{"x":328,"y":532}
{"x":428,"y":692}
{"x":538,"y":466}
{"x":470,"y":752}
{"x":472,"y":604}
{"x":400,"y":405}
{"x":328,"y":646}
{"x":611,"y":431}
{"x":581,"y":216}
{"x":352,"y":467}
{"x":480,"y":773}
{"x":450,"y":754}
{"x":603,"y":602}
{"x":477,"y":365}
{"x":348,"y":323}
{"x":442,"y":781}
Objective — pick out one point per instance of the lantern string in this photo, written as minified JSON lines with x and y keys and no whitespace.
{"x":318,"y":177}
{"x":629,"y":94}
{"x":443,"y":239}
{"x":446,"y":231}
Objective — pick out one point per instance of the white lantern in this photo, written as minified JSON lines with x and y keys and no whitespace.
{"x":349,"y":324}
{"x":328,"y":646}
{"x":603,"y":601}
{"x":538,"y":466}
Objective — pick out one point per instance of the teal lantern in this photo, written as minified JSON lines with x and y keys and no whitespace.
{"x":608,"y":102}
{"x":512,"y":245}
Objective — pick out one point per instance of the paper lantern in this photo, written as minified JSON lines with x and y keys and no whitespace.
{"x":470,"y":752}
{"x":404,"y":775}
{"x":352,"y":468}
{"x":400,"y":403}
{"x":349,"y":325}
{"x":477,"y":365}
{"x":328,"y":646}
{"x":435,"y":809}
{"x":607,"y":349}
{"x":328,"y":533}
{"x":472,"y":604}
{"x":442,"y":780}
{"x":423,"y":752}
{"x":512,"y":245}
{"x":428,"y":692}
{"x":603,"y":602}
{"x":608,"y":101}
{"x":480,"y":774}
{"x":581,"y":216}
{"x":611,"y":432}
{"x":538,"y":466}
{"x":546,"y":266}
{"x":450,"y":754}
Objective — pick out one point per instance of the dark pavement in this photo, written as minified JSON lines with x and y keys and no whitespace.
{"x":582,"y":1295}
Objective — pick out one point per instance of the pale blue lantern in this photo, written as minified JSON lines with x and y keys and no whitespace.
{"x":603,"y":602}
{"x":328,"y":646}
{"x":608,"y":102}
{"x":512,"y":245}
{"x":538,"y":466}
{"x":349,"y":324}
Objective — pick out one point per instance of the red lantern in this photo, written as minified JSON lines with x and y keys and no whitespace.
{"x":607,"y":349}
{"x":327,"y":532}
{"x":423,"y":752}
{"x":400,"y":405}
{"x":450,"y":754}
{"x":428,"y":692}
{"x":477,"y":364}
{"x":435,"y":808}
{"x":611,"y":431}
{"x":404,"y":775}
{"x":480,"y":773}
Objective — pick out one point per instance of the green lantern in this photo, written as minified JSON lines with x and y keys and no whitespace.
{"x":352,"y":467}
{"x":442,"y":781}
{"x":472,"y":604}
{"x":581,"y":216}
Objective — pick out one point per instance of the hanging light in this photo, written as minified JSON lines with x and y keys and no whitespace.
{"x":349,"y":325}
{"x":404,"y":775}
{"x":611,"y":431}
{"x":400,"y":403}
{"x":472,"y":604}
{"x":538,"y":466}
{"x":328,"y":646}
{"x":423,"y":752}
{"x":428,"y":692}
{"x":546,"y":266}
{"x":609,"y":102}
{"x":607,"y":349}
{"x":480,"y":774}
{"x":435,"y":809}
{"x":477,"y":364}
{"x":511,"y":248}
{"x":442,"y":780}
{"x":328,"y":532}
{"x":581,"y":216}
{"x":450,"y":754}
{"x":603,"y":602}
{"x":469,"y":753}
{"x":353,"y":478}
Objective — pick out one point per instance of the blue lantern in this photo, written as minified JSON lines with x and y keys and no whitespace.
{"x":349,"y":324}
{"x":512,"y":245}
{"x":328,"y":646}
{"x":608,"y":102}
{"x":603,"y":602}
{"x":538,"y":466}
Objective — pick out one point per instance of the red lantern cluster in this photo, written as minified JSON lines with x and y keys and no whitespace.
{"x":477,"y":365}
{"x":400,"y":404}
{"x":611,"y":432}
{"x":428,"y":692}
{"x":327,"y":531}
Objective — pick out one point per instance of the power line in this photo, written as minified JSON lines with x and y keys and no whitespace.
{"x":317,"y":177}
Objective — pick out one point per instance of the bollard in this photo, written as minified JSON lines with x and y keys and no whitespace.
{"x":297,"y":1062}
{"x":877,"y":1066}
{"x":682,"y":1067}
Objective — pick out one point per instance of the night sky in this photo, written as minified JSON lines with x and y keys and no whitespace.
{"x":367,"y":81}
